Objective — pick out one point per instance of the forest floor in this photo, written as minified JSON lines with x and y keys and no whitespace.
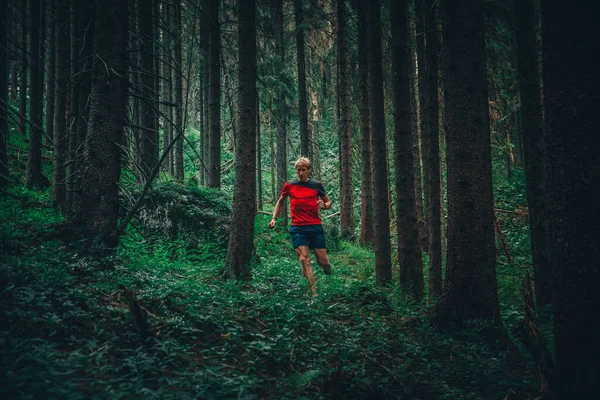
{"x":66,"y":329}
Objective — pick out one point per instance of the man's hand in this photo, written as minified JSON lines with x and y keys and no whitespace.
{"x":321,"y":204}
{"x":272,"y":223}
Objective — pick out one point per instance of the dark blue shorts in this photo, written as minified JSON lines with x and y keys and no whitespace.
{"x":312,"y":236}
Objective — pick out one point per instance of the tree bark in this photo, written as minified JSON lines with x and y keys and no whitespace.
{"x":381,"y":216}
{"x":51,"y":74}
{"x":4,"y":135}
{"x":214,"y":94}
{"x":432,"y":153}
{"x":536,"y":161}
{"x":409,"y":254}
{"x":61,"y":137}
{"x":346,"y":198}
{"x":241,"y":238}
{"x":281,"y":110}
{"x":148,"y":131}
{"x":366,"y":182}
{"x":301,"y":60}
{"x":99,"y":207}
{"x":259,"y":185}
{"x":470,"y":290}
{"x":179,"y":108}
{"x":23,"y":75}
{"x":571,"y":99}
{"x":34,"y":162}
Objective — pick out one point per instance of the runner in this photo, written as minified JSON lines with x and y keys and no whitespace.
{"x":306,"y":198}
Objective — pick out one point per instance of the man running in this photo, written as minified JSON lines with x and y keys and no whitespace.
{"x":306,"y":198}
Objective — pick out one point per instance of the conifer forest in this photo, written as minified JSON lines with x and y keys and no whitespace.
{"x":299,"y":199}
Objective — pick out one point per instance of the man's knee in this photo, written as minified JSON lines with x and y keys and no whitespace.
{"x":304,"y":259}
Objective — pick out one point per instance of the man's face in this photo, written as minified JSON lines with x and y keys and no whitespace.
{"x":302,"y":172}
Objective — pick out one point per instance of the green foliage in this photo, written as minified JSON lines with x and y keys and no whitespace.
{"x":67,"y":330}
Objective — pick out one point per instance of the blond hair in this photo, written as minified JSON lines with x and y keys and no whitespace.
{"x":302,"y":161}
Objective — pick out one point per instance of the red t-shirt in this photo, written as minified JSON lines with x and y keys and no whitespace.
{"x":303,"y":201}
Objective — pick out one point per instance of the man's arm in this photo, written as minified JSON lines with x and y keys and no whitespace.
{"x":324,"y":202}
{"x":276,"y":211}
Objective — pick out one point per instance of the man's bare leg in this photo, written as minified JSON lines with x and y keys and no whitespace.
{"x":323,"y":260}
{"x":304,"y":258}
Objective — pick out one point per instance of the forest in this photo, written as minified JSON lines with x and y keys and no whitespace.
{"x":144,"y":145}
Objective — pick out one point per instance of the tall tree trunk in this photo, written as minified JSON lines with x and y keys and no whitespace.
{"x":571,"y":99}
{"x":34,"y":162}
{"x":214,"y":94}
{"x":259,"y":185}
{"x":86,"y":30}
{"x":470,"y":289}
{"x":148,"y":129}
{"x":381,"y":212}
{"x":366,"y":182}
{"x":415,"y":127}
{"x":536,"y":161}
{"x":24,"y":65}
{"x":301,"y":59}
{"x":77,"y":34}
{"x":165,"y":74}
{"x":179,"y":109}
{"x":51,"y":74}
{"x":432,"y":154}
{"x":241,"y":238}
{"x":281,"y":110}
{"x":4,"y":94}
{"x":422,"y":106}
{"x":409,"y":254}
{"x":346,"y":220}
{"x":61,"y":138}
{"x":204,"y":36}
{"x":99,"y":207}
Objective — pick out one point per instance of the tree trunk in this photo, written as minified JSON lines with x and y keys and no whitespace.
{"x":204,"y":35}
{"x":51,"y":74}
{"x":23,"y":75}
{"x":470,"y":289}
{"x":409,"y":254}
{"x":165,"y":74}
{"x":346,"y":220}
{"x":61,"y":138}
{"x":179,"y":109}
{"x":34,"y":162}
{"x":241,"y":238}
{"x":281,"y":110}
{"x":422,"y":107}
{"x":366,"y":183}
{"x":381,"y":216}
{"x":302,"y":101}
{"x":432,"y":154}
{"x":148,"y":130}
{"x":214,"y":94}
{"x":571,"y":99}
{"x":83,"y":74}
{"x":3,"y":94}
{"x":536,"y":158}
{"x":99,"y":207}
{"x":415,"y":128}
{"x":259,"y":185}
{"x":76,"y":35}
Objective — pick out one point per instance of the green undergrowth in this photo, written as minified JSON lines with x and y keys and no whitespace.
{"x":66,"y":329}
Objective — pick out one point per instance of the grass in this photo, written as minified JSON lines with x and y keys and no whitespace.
{"x":67,"y":330}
